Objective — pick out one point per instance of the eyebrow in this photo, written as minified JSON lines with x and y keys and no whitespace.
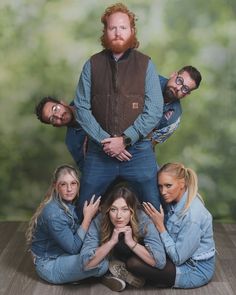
{"x":124,"y":207}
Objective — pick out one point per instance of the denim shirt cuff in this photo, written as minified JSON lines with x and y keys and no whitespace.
{"x":160,"y":262}
{"x":131,"y":133}
{"x":81,"y":233}
{"x":101,"y":267}
{"x":164,"y":237}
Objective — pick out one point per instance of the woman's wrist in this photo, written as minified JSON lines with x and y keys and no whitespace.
{"x":85,"y":224}
{"x":111,"y":244}
{"x":132,"y":245}
{"x":161,"y":228}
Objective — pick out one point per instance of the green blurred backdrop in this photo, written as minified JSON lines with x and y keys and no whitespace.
{"x":43,"y":46}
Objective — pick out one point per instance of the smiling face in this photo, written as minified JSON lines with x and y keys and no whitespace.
{"x":57,"y":114}
{"x":171,"y":188}
{"x":67,"y":186}
{"x":119,"y":213}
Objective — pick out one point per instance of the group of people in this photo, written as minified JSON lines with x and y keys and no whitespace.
{"x":126,"y":220}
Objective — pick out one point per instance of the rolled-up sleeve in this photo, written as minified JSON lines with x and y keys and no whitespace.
{"x":91,"y":243}
{"x":183,"y":248}
{"x":60,"y":230}
{"x":161,"y":135}
{"x":153,"y":243}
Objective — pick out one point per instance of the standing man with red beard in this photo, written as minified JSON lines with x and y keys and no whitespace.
{"x":118,"y":102}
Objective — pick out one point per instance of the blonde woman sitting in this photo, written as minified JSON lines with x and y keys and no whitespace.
{"x":54,"y":235}
{"x":186,"y":231}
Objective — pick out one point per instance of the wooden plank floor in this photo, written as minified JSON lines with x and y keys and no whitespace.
{"x":18,"y":277}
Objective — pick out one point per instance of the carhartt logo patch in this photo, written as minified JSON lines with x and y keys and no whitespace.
{"x":135,"y":105}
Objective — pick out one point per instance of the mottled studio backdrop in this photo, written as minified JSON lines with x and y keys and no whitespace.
{"x":43,"y":46}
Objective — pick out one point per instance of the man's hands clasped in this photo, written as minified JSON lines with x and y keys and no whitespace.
{"x":114,"y":147}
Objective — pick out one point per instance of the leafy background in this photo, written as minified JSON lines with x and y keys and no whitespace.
{"x":43,"y":46}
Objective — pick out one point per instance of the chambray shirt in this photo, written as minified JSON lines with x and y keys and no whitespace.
{"x":75,"y":137}
{"x":57,"y":232}
{"x":145,"y":122}
{"x":170,"y":120}
{"x":189,"y":234}
{"x":147,"y":230}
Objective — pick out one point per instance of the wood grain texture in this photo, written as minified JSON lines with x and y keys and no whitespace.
{"x":18,"y":277}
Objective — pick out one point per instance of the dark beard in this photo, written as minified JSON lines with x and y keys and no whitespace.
{"x":117,"y":48}
{"x":169,"y":95}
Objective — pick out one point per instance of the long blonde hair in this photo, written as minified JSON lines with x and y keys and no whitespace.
{"x":52,"y":194}
{"x":132,"y":203}
{"x":179,"y":171}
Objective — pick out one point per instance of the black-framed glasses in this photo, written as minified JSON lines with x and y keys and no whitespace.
{"x":55,"y":109}
{"x":180,"y":81}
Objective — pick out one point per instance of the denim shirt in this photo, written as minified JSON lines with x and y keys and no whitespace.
{"x":147,"y":230}
{"x":75,"y":138}
{"x":170,"y":119}
{"x":145,"y":122}
{"x":189,"y":234}
{"x":57,"y":232}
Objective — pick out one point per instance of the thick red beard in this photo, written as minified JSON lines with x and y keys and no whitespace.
{"x":119,"y":48}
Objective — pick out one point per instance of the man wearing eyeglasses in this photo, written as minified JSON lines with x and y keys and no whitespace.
{"x":57,"y":113}
{"x":180,"y":84}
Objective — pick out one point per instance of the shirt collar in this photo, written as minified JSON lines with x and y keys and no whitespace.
{"x":124,"y":56}
{"x":179,"y":206}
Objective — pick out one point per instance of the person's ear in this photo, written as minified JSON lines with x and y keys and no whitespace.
{"x":182,"y":183}
{"x":64,"y":104}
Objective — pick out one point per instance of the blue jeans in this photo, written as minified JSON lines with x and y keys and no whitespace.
{"x":194,"y":273}
{"x":100,"y":170}
{"x":65,"y":269}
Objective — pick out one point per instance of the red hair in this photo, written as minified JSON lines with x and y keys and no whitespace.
{"x":119,"y":7}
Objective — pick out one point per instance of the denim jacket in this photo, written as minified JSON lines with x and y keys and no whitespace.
{"x":147,"y":230}
{"x":189,"y":234}
{"x":57,"y":232}
{"x":75,"y":137}
{"x":170,"y":119}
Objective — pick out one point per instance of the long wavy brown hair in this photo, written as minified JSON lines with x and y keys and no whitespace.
{"x":130,"y":198}
{"x":119,"y":7}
